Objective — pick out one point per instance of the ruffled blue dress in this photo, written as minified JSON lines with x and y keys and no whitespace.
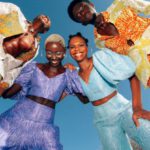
{"x":113,"y":119}
{"x":29,"y":125}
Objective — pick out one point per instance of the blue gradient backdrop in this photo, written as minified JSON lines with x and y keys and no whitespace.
{"x":77,"y":131}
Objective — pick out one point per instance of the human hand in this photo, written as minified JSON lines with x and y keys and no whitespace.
{"x":140,"y":114}
{"x":70,"y":66}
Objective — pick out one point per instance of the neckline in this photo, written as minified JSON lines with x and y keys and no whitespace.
{"x":46,"y":75}
{"x":89,"y":73}
{"x":87,"y":83}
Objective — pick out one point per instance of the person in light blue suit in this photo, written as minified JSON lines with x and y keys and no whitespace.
{"x":113,"y":115}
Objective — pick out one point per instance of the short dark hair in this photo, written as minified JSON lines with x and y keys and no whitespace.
{"x":78,"y":34}
{"x":71,"y":6}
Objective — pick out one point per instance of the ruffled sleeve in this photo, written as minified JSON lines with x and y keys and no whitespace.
{"x":24,"y":79}
{"x":73,"y":83}
{"x":113,"y":67}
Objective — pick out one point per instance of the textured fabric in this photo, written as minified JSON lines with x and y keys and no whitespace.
{"x":29,"y":125}
{"x":8,"y":8}
{"x":119,"y":128}
{"x":124,"y":15}
{"x":113,"y":119}
{"x":5,"y":12}
{"x":12,"y":22}
{"x":109,"y":68}
{"x":32,"y":78}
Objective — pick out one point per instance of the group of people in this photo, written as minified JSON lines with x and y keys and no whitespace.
{"x":38,"y":87}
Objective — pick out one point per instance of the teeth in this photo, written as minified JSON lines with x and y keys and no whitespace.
{"x":54,"y":61}
{"x":78,"y":54}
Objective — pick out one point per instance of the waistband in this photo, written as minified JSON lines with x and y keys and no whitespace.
{"x":42,"y":101}
{"x":104,"y":100}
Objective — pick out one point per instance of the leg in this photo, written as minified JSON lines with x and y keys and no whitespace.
{"x":113,"y":137}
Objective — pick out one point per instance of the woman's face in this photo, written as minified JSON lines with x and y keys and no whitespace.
{"x":78,"y":48}
{"x":83,"y":12}
{"x":55,"y":53}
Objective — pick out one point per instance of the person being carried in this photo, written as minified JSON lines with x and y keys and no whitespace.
{"x":19,"y":41}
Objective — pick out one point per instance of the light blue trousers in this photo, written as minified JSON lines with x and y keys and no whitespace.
{"x":114,"y":123}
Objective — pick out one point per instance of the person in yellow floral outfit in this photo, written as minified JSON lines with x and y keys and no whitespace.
{"x":19,"y":41}
{"x":120,"y":29}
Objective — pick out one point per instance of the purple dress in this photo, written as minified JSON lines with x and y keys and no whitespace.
{"x":28,"y":125}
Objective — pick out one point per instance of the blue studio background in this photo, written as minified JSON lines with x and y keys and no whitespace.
{"x":77,"y":131}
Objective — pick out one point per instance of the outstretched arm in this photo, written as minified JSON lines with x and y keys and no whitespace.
{"x":138,"y":111}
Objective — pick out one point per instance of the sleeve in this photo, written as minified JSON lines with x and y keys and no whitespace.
{"x":12,"y":69}
{"x":73,"y":83}
{"x":24,"y":79}
{"x":25,"y":75}
{"x":141,"y":6}
{"x":113,"y":67}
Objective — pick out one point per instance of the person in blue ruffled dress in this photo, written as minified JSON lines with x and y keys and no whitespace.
{"x":113,"y":115}
{"x":28,"y":125}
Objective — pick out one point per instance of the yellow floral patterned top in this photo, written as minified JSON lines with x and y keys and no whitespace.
{"x":130,"y":27}
{"x":124,"y":15}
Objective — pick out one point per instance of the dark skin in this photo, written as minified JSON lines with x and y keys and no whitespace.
{"x":22,"y":46}
{"x":18,"y":44}
{"x":50,"y":69}
{"x":55,"y":53}
{"x":80,"y":11}
{"x":78,"y":51}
